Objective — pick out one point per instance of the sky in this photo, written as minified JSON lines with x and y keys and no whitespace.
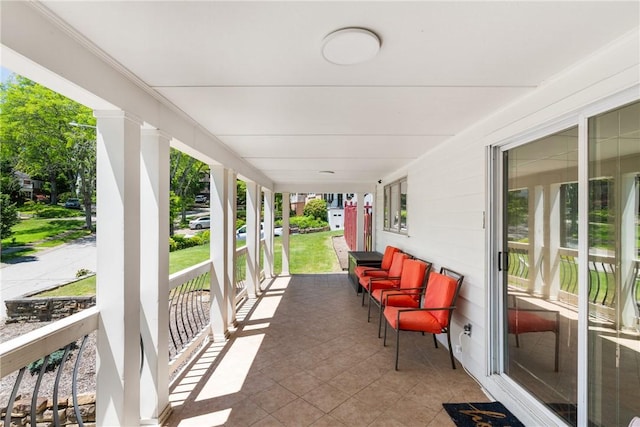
{"x":5,"y":74}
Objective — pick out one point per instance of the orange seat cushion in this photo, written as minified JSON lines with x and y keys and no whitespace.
{"x":422,"y":321}
{"x":521,"y":322}
{"x":394,"y":271}
{"x":374,"y":285}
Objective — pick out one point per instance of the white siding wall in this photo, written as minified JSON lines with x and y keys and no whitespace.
{"x":447,"y":188}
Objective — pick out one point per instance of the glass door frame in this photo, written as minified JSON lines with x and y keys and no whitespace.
{"x":496,"y":244}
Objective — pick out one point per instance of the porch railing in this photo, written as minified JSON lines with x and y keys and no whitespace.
{"x":241,"y":274}
{"x":40,"y":351}
{"x":602,"y":274}
{"x":188,"y":311}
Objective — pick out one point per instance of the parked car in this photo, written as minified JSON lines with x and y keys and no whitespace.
{"x":241,"y":233}
{"x":72,"y":203}
{"x":200,"y":223}
{"x":201,"y":198}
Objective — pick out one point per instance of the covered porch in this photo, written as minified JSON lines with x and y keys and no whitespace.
{"x":304,"y":354}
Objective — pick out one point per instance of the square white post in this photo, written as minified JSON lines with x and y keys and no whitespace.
{"x":286,"y":205}
{"x":253,"y":238}
{"x":219,"y":297}
{"x":268,"y":233}
{"x":118,"y":275}
{"x":552,"y":238}
{"x":154,"y":275}
{"x":627,"y":258}
{"x":360,"y":222}
{"x":232,"y":211}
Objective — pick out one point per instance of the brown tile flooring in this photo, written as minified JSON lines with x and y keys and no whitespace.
{"x":304,"y":354}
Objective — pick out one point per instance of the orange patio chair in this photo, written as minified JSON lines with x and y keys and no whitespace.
{"x":406,"y":292}
{"x":387,"y":259}
{"x":522,"y":321}
{"x":386,"y":279}
{"x":434,"y":314}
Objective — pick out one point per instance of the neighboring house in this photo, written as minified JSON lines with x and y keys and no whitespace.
{"x":28,"y":187}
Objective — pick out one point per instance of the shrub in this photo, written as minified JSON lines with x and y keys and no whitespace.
{"x":178,"y":241}
{"x":304,"y":222}
{"x":240,"y":222}
{"x":316,"y":208}
{"x":82,"y":272}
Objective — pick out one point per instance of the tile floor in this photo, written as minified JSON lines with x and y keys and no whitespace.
{"x":303,"y":354}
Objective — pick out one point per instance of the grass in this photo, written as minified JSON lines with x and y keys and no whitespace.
{"x":32,"y":231}
{"x":32,"y":234}
{"x":83,"y":287}
{"x":309,"y":253}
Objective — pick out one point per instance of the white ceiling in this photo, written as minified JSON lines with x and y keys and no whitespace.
{"x":252,"y":73}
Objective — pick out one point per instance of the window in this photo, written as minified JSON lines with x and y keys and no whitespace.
{"x":395,"y":206}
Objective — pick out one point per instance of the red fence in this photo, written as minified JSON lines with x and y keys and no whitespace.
{"x":350,"y":226}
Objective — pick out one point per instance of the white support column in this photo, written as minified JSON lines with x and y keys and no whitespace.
{"x":552,"y":236}
{"x":360,"y":222}
{"x":220,"y":295}
{"x":253,"y":239}
{"x":286,"y":206}
{"x":536,"y":238}
{"x":628,"y":203}
{"x":118,"y":278}
{"x":154,"y":275}
{"x":268,"y":233}
{"x":232,"y":210}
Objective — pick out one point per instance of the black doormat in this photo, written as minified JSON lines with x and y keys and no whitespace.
{"x":484,"y":414}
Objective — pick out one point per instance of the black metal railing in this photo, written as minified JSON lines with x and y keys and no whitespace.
{"x":39,"y":352}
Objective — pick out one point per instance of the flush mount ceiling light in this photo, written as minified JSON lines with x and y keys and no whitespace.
{"x":327,"y":172}
{"x":350,"y":46}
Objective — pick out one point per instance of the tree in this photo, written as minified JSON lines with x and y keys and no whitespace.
{"x":8,"y":216}
{"x":34,"y":129}
{"x":316,"y":208}
{"x":185,"y":175}
{"x":9,"y":183}
{"x":83,"y":155}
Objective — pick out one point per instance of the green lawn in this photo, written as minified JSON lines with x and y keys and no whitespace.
{"x":309,"y":253}
{"x":32,"y":234}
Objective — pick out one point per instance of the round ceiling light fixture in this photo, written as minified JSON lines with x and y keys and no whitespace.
{"x":327,"y":172}
{"x":349,"y":46}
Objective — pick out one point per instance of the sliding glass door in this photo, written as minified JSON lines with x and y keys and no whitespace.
{"x":614,"y":260}
{"x":539,"y":265}
{"x":553,"y":279}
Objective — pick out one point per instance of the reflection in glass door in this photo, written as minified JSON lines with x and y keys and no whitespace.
{"x":539,"y":273}
{"x":614,"y":261}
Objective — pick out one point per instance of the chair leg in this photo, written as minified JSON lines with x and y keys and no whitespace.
{"x":453,"y":360}
{"x":397,"y":346}
{"x":364,"y":291}
{"x":380,"y":319}
{"x":435,"y":341}
{"x":557,"y":349}
{"x":384,"y":341}
{"x":369,"y":309}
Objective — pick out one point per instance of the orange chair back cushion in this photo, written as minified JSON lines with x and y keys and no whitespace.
{"x":440,"y":292}
{"x":397,"y":265}
{"x":387,"y":258}
{"x":413,"y":272}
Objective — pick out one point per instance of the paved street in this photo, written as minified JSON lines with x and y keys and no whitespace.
{"x":46,"y":269}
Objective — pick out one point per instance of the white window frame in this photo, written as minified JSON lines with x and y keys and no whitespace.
{"x":390,"y":190}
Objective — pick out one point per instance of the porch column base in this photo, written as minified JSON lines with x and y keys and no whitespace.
{"x":164,"y":416}
{"x":220,"y":337}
